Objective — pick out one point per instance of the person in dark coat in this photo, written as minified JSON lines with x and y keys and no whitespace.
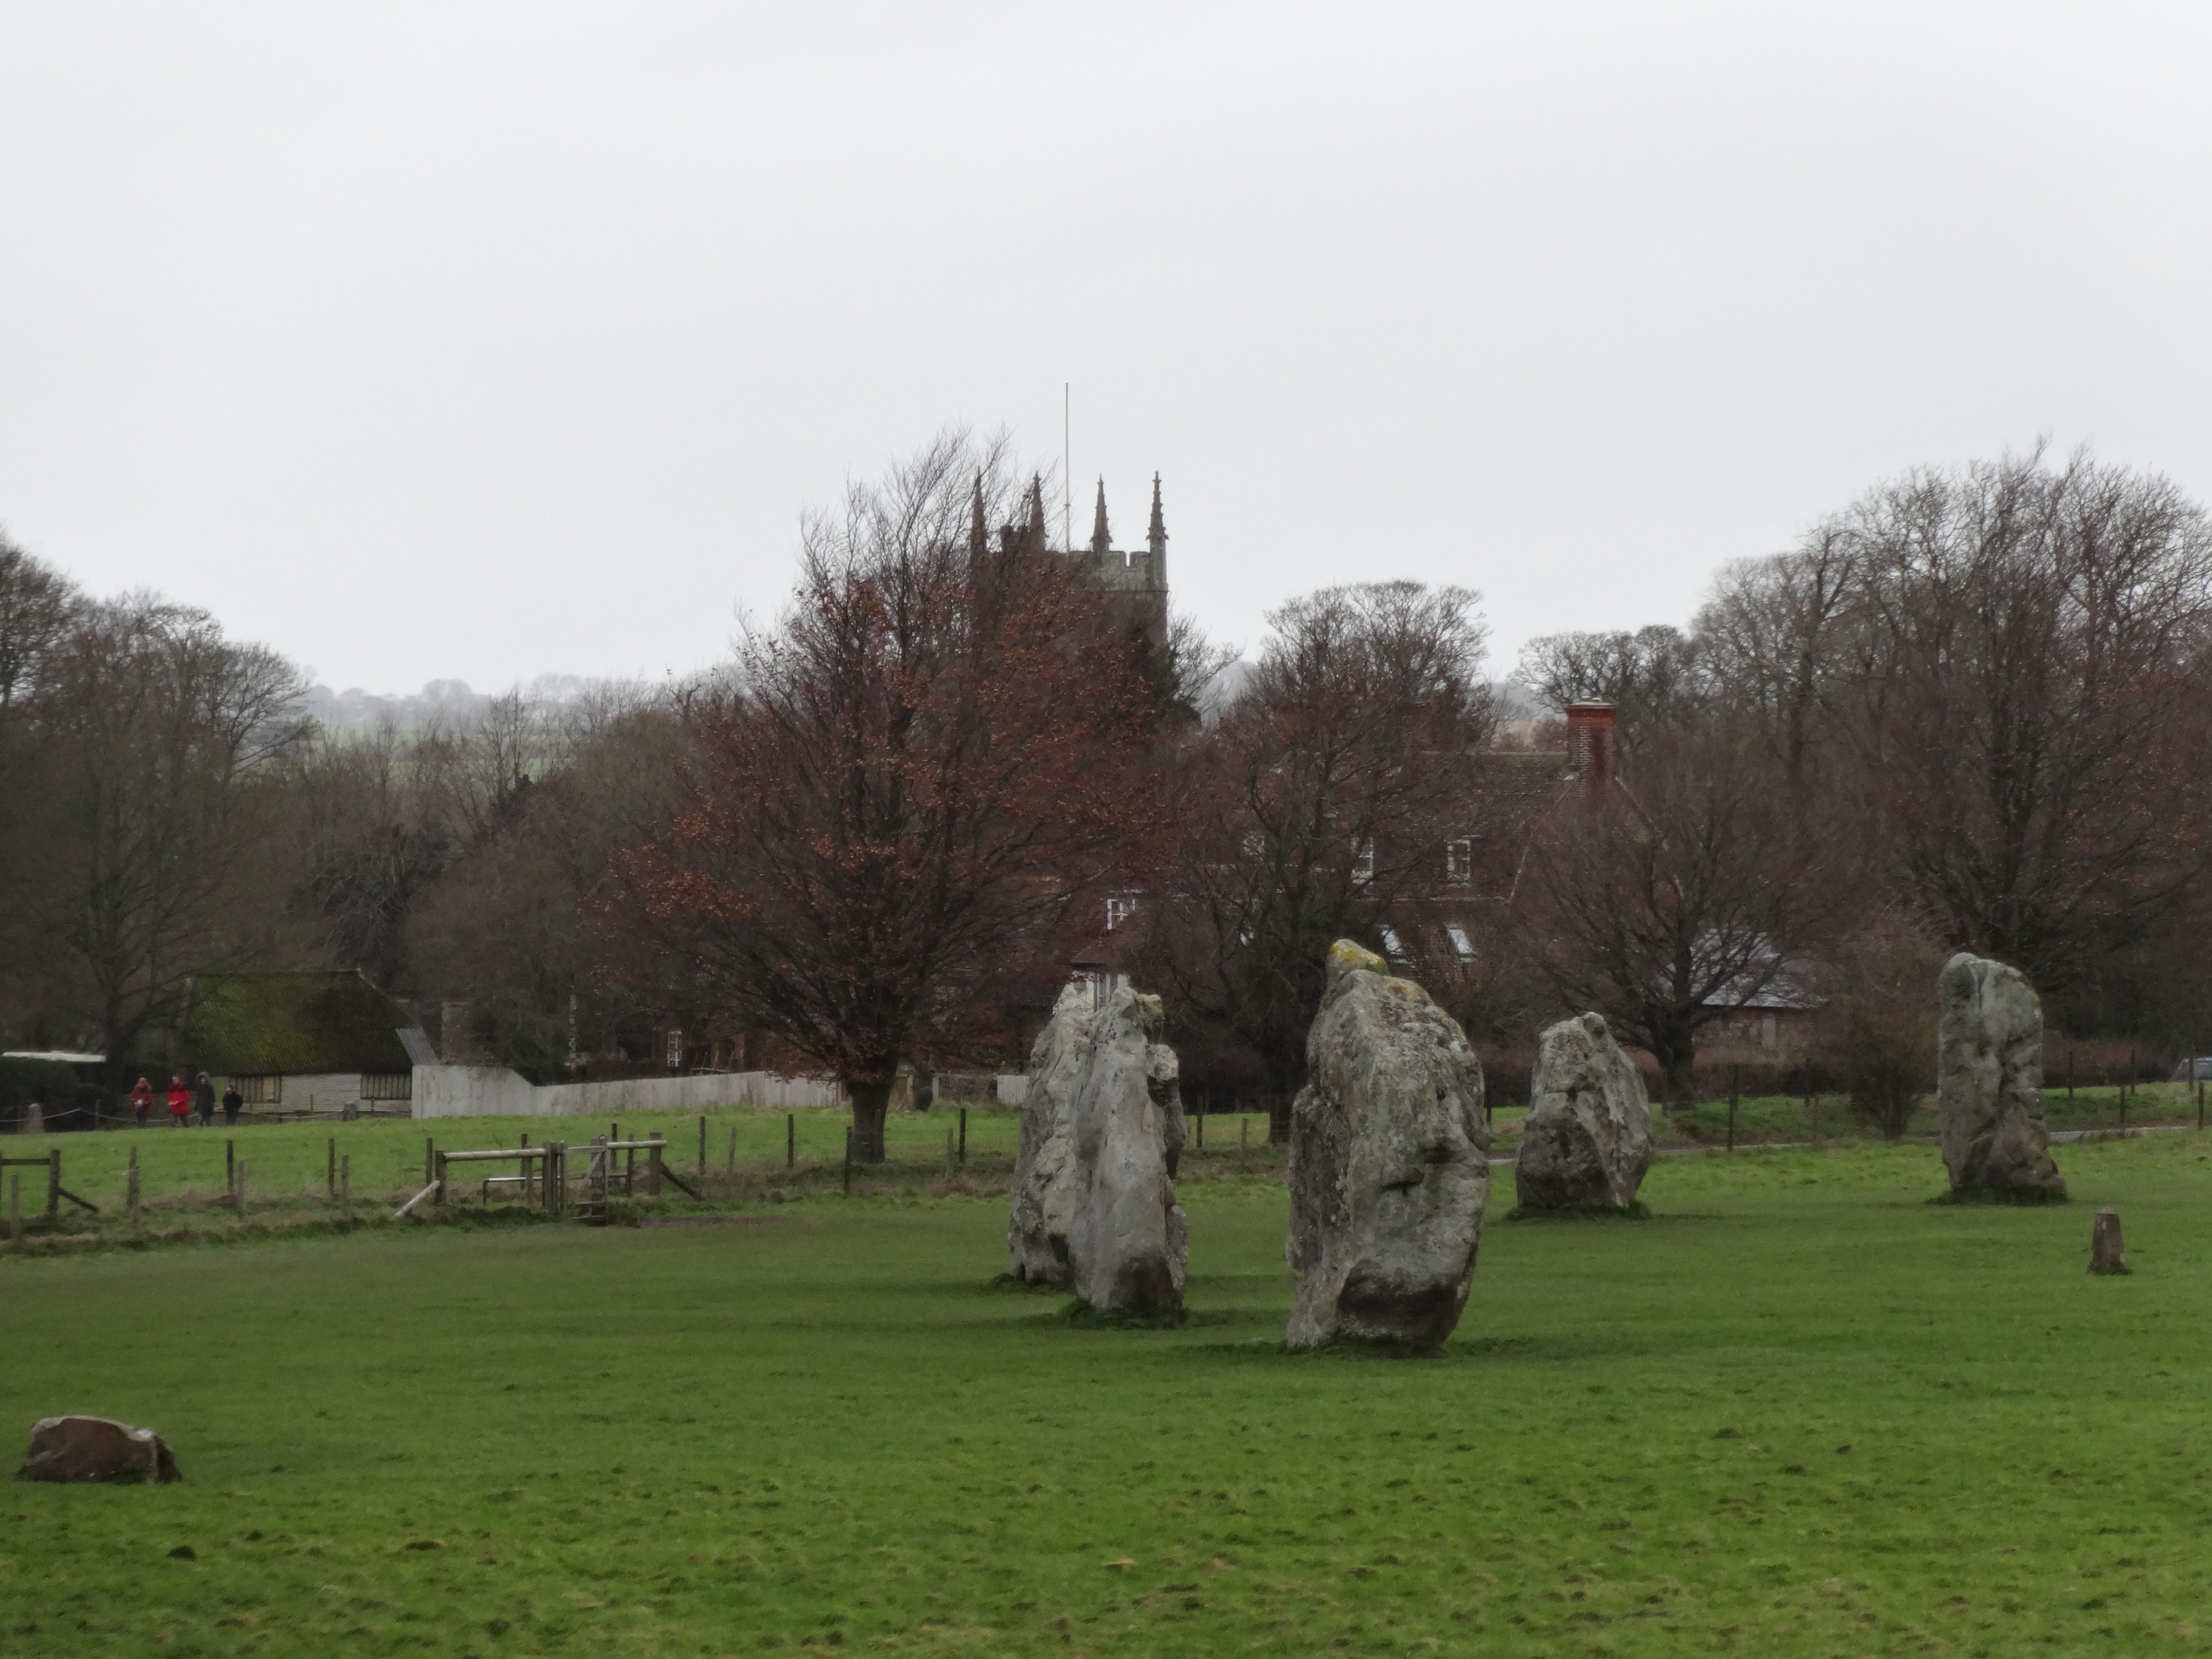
{"x":204,"y":1098}
{"x":232,"y":1100}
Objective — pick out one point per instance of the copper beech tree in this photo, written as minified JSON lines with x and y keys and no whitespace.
{"x":902,"y":795}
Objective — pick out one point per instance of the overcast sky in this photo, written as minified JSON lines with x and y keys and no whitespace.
{"x":485,"y":340}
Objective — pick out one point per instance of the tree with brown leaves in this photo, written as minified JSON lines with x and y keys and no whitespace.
{"x":904,"y":790}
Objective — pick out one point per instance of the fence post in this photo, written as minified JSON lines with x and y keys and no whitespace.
{"x":1201,"y":1132}
{"x":430,"y":1161}
{"x":229,"y":1166}
{"x":790,"y":1140}
{"x":130,"y":1189}
{"x":1735,"y":1074}
{"x":733,"y":1149}
{"x":438,"y":1174}
{"x":652,"y":1169}
{"x":1243,"y":1131}
{"x":964,"y":1137}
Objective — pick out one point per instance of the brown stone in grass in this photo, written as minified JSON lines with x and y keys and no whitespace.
{"x":2105,"y":1255}
{"x":89,"y":1449}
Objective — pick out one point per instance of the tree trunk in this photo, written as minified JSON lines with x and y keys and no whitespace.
{"x":872,"y":1103}
{"x":1676,"y":1051}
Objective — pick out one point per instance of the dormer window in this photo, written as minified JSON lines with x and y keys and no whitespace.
{"x":1120,"y":907}
{"x":1459,"y":861}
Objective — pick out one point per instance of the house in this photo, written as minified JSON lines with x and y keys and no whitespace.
{"x":324,"y":1044}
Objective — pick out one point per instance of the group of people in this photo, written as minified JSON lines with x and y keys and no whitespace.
{"x":184,"y":1097}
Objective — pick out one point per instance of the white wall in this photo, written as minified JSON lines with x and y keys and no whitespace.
{"x":496,"y":1092}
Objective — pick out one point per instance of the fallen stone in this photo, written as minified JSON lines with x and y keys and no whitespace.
{"x":2105,"y":1254}
{"x":1587,"y":1140}
{"x":1389,"y":1166}
{"x":1989,"y":1082}
{"x":1041,"y":1210}
{"x":1130,"y":1239}
{"x":88,"y":1449}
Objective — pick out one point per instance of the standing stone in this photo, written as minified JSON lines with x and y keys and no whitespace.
{"x":1042,"y":1212}
{"x":1129,"y":1238}
{"x":1989,"y":1081}
{"x":88,"y":1448}
{"x":1390,"y":1164}
{"x":2105,"y":1255}
{"x":1587,"y":1140}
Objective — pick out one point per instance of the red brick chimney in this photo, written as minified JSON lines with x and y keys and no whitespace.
{"x":1590,"y":744}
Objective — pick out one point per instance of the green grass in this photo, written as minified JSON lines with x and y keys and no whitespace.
{"x":1803,"y":1410}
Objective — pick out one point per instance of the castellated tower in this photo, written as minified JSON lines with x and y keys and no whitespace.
{"x":1136,"y":582}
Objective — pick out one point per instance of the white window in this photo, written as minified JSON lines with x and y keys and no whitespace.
{"x":1120,"y":907}
{"x":1363,"y":862}
{"x":1459,"y":861}
{"x":1391,"y":945}
{"x":1459,"y":941}
{"x":673,"y":1049}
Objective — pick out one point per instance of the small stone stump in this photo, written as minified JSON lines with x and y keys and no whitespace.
{"x":1988,"y":1083}
{"x":1587,"y":1140}
{"x":79,"y":1449}
{"x":1130,"y":1239}
{"x":2106,"y":1255}
{"x":1390,"y":1164}
{"x":1041,"y":1208}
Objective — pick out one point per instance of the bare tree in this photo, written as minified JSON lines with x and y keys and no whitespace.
{"x":908,"y":784}
{"x":156,"y":741}
{"x":1319,"y":804}
{"x":2035,"y":712}
{"x":1668,"y":903}
{"x":1651,"y":677}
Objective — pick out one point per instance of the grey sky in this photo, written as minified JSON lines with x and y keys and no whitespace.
{"x":482,"y":341}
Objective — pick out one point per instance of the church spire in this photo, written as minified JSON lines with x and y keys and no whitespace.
{"x":979,"y":537}
{"x":1156,"y":534}
{"x":1035,"y":520}
{"x":1102,"y":539}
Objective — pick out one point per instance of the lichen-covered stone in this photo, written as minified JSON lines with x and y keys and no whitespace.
{"x":1587,"y":1139}
{"x":1129,"y":1238}
{"x":91,"y":1448}
{"x":1989,"y":1081}
{"x":1390,"y":1164}
{"x":1042,"y":1210}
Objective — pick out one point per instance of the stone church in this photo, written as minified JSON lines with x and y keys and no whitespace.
{"x":1134,"y":580}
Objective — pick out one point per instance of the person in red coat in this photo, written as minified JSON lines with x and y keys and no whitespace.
{"x":141,"y":1100}
{"x":180,"y":1102}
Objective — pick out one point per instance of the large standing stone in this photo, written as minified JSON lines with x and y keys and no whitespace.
{"x":1389,"y":1163}
{"x":1129,"y":1238}
{"x":86,"y":1449}
{"x":1587,"y":1140}
{"x":1042,"y":1212}
{"x":1989,"y":1081}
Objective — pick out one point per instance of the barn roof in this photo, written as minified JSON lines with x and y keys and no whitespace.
{"x":261,"y":1024}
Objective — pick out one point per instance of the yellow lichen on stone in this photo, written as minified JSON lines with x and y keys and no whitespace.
{"x":1344,"y":956}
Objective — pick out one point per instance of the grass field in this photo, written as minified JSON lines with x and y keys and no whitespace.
{"x":1802,"y":1411}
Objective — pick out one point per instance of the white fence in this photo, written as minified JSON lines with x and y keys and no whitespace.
{"x":496,"y":1092}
